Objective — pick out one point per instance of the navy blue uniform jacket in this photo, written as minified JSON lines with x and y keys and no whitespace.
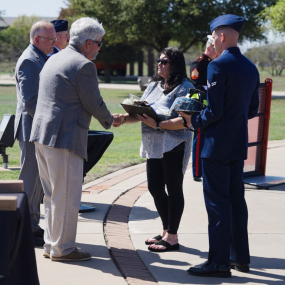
{"x":230,"y":105}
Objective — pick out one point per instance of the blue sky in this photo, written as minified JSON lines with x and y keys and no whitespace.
{"x":42,"y":8}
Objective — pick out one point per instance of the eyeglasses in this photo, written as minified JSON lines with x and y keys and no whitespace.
{"x":99,"y":43}
{"x":162,"y":61}
{"x":50,"y":40}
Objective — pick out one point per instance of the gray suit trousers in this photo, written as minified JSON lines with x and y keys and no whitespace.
{"x":32,"y":185}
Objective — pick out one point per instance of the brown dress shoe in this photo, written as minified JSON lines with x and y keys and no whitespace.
{"x":46,"y":255}
{"x":73,"y":256}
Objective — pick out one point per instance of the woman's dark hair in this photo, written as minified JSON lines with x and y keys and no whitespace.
{"x":177,"y":70}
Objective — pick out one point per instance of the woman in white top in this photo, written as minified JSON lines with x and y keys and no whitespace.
{"x":166,"y":145}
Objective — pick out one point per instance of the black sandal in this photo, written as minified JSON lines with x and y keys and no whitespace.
{"x":168,"y":246}
{"x":157,"y":238}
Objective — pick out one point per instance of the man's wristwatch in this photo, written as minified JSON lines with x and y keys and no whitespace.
{"x":157,"y":126}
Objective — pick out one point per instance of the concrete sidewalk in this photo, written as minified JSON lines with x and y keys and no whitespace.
{"x":125,"y":216}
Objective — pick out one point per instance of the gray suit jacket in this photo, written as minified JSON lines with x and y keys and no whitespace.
{"x":68,"y":97}
{"x":27,"y":71}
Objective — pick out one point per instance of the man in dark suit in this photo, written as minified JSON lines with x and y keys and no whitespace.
{"x":61,"y":28}
{"x":198,"y":77}
{"x":233,"y":83}
{"x":28,"y":68}
{"x":69,"y":96}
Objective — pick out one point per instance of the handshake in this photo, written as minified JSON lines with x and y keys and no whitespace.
{"x":119,"y":120}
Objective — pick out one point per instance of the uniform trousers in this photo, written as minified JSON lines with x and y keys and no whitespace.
{"x":61,"y":176}
{"x":197,"y":146}
{"x":167,"y":171}
{"x":223,"y":188}
{"x":32,"y":185}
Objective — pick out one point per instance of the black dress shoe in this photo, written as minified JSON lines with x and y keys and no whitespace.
{"x":39,"y":233}
{"x":197,"y":178}
{"x":38,"y":241}
{"x":210,"y":269}
{"x":242,"y":267}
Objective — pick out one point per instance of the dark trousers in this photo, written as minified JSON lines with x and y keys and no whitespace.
{"x":227,"y":210}
{"x":167,"y":171}
{"x":197,"y":146}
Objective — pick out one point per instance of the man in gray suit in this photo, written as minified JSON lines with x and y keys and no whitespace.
{"x":28,"y":68}
{"x":68,"y":97}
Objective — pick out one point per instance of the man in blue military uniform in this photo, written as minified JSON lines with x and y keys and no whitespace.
{"x":233,"y":83}
{"x":61,"y":28}
{"x":198,"y":77}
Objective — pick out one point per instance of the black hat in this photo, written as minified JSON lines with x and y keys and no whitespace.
{"x":233,"y":21}
{"x":60,"y":25}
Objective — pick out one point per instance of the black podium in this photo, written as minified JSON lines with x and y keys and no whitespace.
{"x":98,"y":142}
{"x":6,"y":136}
{"x":17,"y":255}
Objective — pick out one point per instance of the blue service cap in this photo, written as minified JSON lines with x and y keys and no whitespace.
{"x":60,"y":25}
{"x":233,"y":21}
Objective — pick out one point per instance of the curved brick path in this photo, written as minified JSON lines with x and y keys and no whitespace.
{"x":116,"y":231}
{"x":125,"y":216}
{"x":119,"y":242}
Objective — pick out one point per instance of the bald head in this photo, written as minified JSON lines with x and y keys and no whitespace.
{"x":38,"y":28}
{"x":43,"y":36}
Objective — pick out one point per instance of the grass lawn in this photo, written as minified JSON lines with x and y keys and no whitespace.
{"x":124,"y":150}
{"x":278,"y":81}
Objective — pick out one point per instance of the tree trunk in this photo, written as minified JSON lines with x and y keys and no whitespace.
{"x":150,"y":60}
{"x":132,"y":68}
{"x":107,"y":72}
{"x":140,"y":63}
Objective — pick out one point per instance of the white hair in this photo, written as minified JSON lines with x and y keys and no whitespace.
{"x":85,"y":29}
{"x":38,"y":28}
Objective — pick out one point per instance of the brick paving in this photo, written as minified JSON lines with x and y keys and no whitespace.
{"x":116,"y":229}
{"x":119,"y":242}
{"x":104,"y":185}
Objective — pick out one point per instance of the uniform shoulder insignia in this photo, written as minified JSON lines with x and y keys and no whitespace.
{"x":200,"y":58}
{"x":195,"y":74}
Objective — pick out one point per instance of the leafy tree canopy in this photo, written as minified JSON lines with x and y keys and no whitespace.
{"x":269,"y":57}
{"x":275,"y":16}
{"x":16,"y":38}
{"x":153,"y":23}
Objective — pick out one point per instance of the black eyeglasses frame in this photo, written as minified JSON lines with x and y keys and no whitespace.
{"x":99,"y":43}
{"x":162,"y":61}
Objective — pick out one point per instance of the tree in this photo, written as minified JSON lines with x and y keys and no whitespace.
{"x":274,"y":15}
{"x":16,"y":38}
{"x":153,"y":23}
{"x":2,"y":13}
{"x":271,"y":57}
